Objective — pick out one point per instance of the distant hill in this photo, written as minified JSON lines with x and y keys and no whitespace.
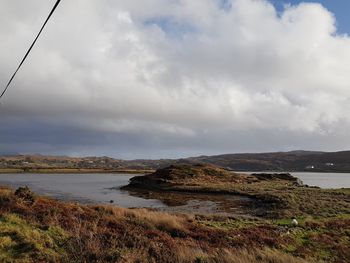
{"x":282,"y":161}
{"x":275,"y":161}
{"x":4,"y":153}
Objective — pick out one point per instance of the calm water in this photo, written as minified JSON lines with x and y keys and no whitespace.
{"x":102,"y":188}
{"x":85,"y":188}
{"x":325,"y":180}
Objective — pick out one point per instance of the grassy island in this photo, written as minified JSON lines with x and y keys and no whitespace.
{"x":279,"y":194}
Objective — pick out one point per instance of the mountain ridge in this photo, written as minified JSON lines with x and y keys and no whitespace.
{"x":295,"y":161}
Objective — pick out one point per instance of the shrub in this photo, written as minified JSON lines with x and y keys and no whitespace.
{"x":25,"y":194}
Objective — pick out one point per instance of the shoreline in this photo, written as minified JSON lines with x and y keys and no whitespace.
{"x":48,"y":170}
{"x":70,"y":170}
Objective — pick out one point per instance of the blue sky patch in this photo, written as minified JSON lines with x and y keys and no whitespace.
{"x":340,"y":8}
{"x":170,"y":26}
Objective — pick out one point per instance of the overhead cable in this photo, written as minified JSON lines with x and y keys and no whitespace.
{"x":30,"y":48}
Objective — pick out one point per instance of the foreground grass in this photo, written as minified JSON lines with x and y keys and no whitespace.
{"x":44,"y":230}
{"x":21,"y":240}
{"x":315,"y":239}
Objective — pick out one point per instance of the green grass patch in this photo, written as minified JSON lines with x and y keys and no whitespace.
{"x":23,"y":242}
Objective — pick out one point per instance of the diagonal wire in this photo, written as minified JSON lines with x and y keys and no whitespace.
{"x":31,"y":47}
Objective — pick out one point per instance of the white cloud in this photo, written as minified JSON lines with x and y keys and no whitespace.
{"x":181,"y":69}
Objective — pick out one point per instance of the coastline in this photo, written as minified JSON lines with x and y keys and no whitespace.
{"x":71,"y":170}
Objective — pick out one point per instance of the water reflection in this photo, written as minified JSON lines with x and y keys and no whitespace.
{"x":198,"y":203}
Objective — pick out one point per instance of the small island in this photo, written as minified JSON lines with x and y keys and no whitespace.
{"x":205,"y":177}
{"x":278,"y":195}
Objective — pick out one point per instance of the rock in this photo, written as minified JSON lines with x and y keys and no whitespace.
{"x":295,"y":222}
{"x":25,"y":194}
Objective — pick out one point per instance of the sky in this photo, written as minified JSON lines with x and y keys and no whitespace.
{"x":339,"y":8}
{"x":175,"y":78}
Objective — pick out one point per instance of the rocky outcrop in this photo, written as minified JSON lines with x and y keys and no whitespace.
{"x":281,"y":176}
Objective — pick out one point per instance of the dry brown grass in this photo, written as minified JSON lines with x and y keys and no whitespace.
{"x":111,"y":234}
{"x":262,"y":256}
